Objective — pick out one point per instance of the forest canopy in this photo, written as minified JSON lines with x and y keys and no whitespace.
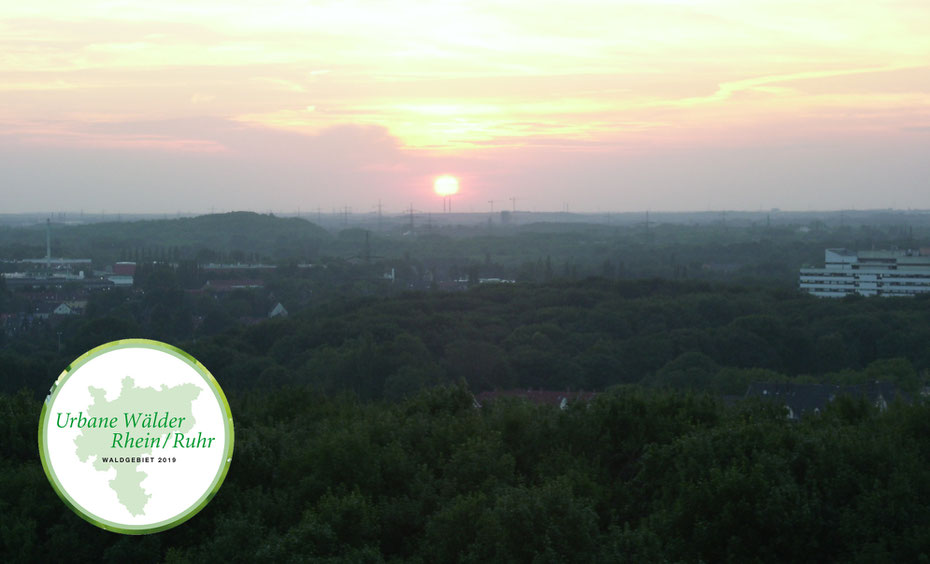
{"x":632,"y":475}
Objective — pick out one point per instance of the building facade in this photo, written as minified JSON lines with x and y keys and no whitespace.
{"x":869,"y":273}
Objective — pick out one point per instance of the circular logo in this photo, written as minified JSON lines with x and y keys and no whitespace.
{"x":136,"y":436}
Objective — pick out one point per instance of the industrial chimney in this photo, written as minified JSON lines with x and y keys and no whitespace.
{"x":48,"y":243}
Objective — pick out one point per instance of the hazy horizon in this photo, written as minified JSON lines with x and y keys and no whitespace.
{"x":593,"y":107}
{"x":341,"y":218}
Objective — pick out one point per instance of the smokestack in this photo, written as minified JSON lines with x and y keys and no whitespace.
{"x":48,"y":242}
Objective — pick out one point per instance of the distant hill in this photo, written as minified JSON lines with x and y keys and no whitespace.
{"x":236,"y":232}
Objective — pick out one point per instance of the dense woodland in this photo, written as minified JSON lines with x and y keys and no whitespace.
{"x":632,"y":476}
{"x":586,"y":335}
{"x":358,"y":439}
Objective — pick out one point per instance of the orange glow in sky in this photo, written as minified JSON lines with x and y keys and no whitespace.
{"x":536,"y":100}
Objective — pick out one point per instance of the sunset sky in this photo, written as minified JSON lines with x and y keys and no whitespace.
{"x":168,"y":106}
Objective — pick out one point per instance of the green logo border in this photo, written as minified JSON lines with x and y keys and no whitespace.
{"x":184,"y":515}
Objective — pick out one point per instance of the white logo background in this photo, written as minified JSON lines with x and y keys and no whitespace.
{"x":175,"y":487}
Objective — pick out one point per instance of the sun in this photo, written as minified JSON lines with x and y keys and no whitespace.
{"x":446,"y":185}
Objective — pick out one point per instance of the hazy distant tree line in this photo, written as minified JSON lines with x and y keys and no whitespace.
{"x":758,"y":253}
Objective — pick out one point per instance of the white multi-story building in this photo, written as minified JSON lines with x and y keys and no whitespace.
{"x":870,"y":273}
